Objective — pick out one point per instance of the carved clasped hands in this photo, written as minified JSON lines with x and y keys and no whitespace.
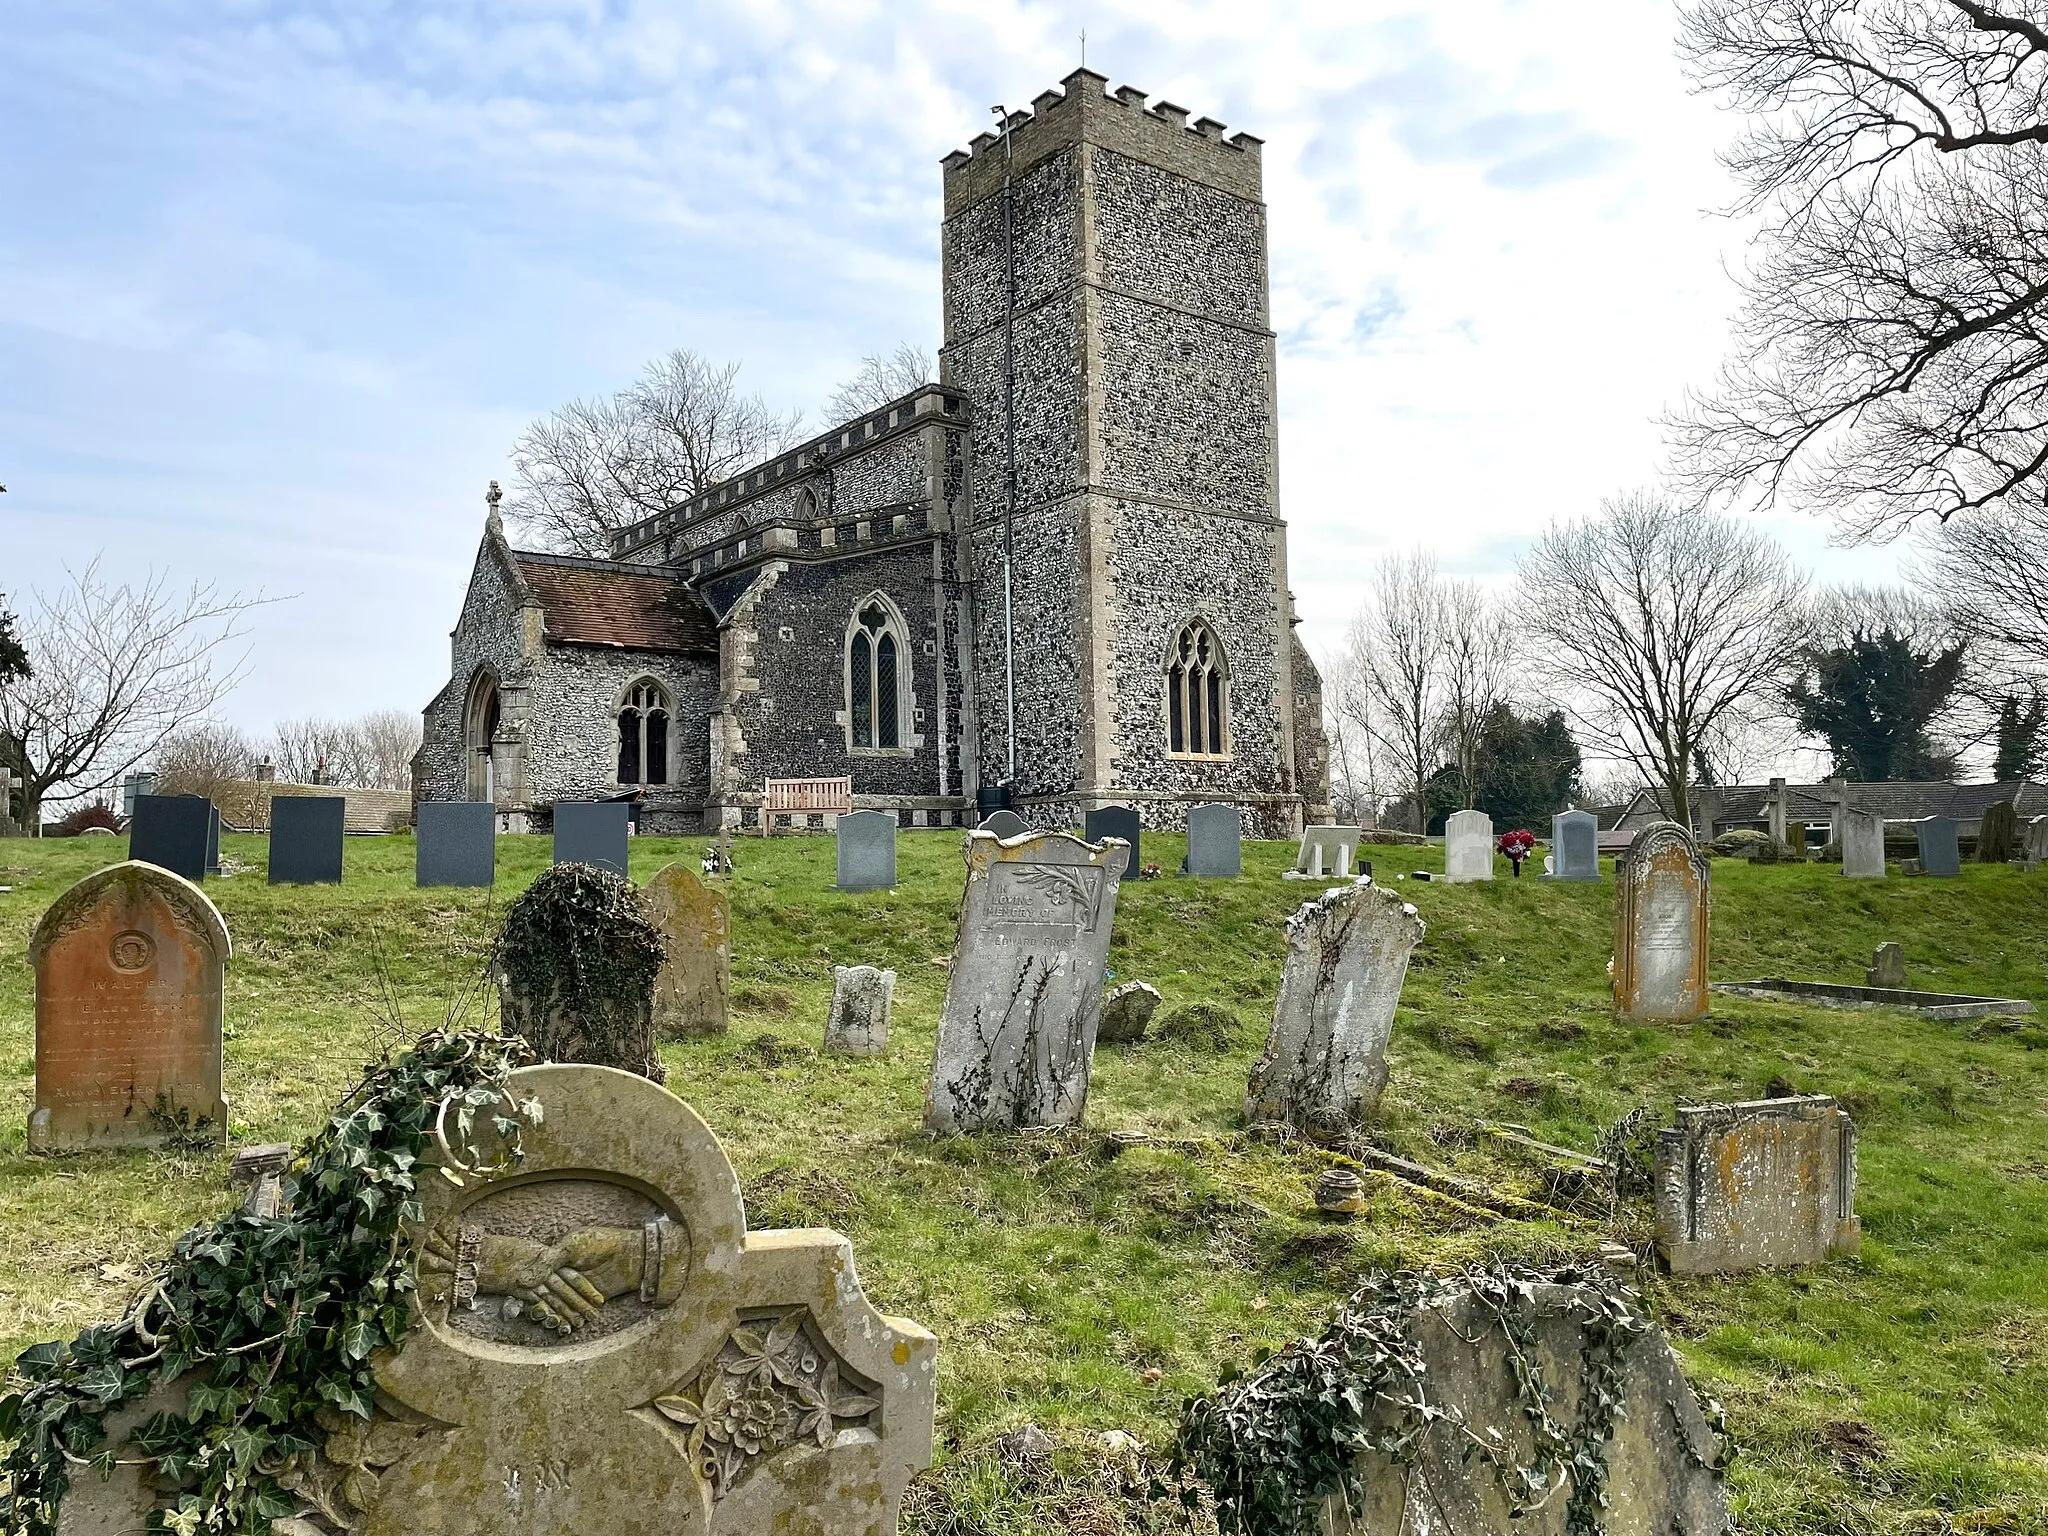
{"x":560,"y":1285}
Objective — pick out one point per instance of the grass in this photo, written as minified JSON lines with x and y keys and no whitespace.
{"x":1086,"y":1282}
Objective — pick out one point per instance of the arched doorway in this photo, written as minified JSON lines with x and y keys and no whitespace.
{"x":480,"y":729}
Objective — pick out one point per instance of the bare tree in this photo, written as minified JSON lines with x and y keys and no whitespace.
{"x":1396,"y":644}
{"x":1662,"y":629}
{"x":1992,"y":572}
{"x":198,"y":759}
{"x":115,"y":671}
{"x":1479,"y":641}
{"x":313,"y":751}
{"x":1356,"y":786}
{"x":1891,"y":359}
{"x":389,"y":738}
{"x":880,"y":380}
{"x":592,"y":467}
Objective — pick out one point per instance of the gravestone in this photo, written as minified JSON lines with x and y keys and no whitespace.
{"x":1998,"y":834}
{"x":1660,"y":928}
{"x":174,"y":832}
{"x":212,"y":839}
{"x":1114,"y":821}
{"x":576,"y":963}
{"x":1575,"y":846}
{"x":704,"y":1379}
{"x":1325,"y":1061}
{"x":692,"y":993}
{"x":1326,"y":853}
{"x":1468,"y":846}
{"x":306,"y":833}
{"x":129,"y":968}
{"x":1759,"y":1185}
{"x":593,"y":832}
{"x":10,"y":785}
{"x":1887,"y":967}
{"x":1127,"y":1012}
{"x":1024,"y":996}
{"x":1215,"y":842}
{"x":1862,"y":838}
{"x":1940,"y":853}
{"x":866,"y":849}
{"x":2037,"y":842}
{"x":859,"y":1022}
{"x":1004,"y":823}
{"x":458,"y":843}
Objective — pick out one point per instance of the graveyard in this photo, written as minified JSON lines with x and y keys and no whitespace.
{"x":1091,"y":1278}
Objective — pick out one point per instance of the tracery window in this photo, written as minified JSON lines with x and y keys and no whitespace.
{"x":1197,"y":694}
{"x":874,"y":651}
{"x":643,"y":734}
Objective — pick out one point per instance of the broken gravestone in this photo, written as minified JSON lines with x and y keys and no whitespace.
{"x":129,"y":970}
{"x":692,"y":991}
{"x":1024,"y":996}
{"x":1660,"y":927}
{"x":1998,"y":834}
{"x":1887,"y":967}
{"x":859,"y":1022}
{"x":1325,"y":1062}
{"x":1757,"y":1185}
{"x":575,"y":966}
{"x":1126,"y":1012}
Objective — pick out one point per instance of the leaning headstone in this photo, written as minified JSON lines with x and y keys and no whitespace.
{"x":692,"y":995}
{"x":593,"y":832}
{"x":1887,"y":967}
{"x":1215,"y":842}
{"x":1468,"y":846}
{"x":575,"y":965}
{"x":1575,"y":846}
{"x":603,"y":1347}
{"x":1660,"y":928}
{"x":1325,"y":1062}
{"x":1326,"y":853}
{"x":129,"y":968}
{"x":306,"y":835}
{"x":1754,"y":1186}
{"x":1024,"y":995}
{"x":1127,"y":1012}
{"x":1998,"y":834}
{"x":859,"y":1022}
{"x":212,"y":839}
{"x":1004,"y":823}
{"x":458,"y":843}
{"x":1114,"y":821}
{"x":1862,"y":839}
{"x":173,"y":832}
{"x":2037,"y":843}
{"x":866,"y":851}
{"x":1940,"y":853}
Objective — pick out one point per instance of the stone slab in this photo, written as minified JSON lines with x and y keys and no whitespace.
{"x":693,"y":991}
{"x":1468,"y":847}
{"x":862,"y":997}
{"x":865,"y":843}
{"x":593,"y":832}
{"x":1760,"y":1185}
{"x":457,"y":843}
{"x":1127,"y":1013}
{"x":1114,"y":821}
{"x":1862,"y":839}
{"x":174,"y":832}
{"x":1326,"y":852}
{"x":306,"y":837}
{"x":1004,"y":823}
{"x":1215,"y":842}
{"x":1575,"y":846}
{"x":1829,"y":994}
{"x":1941,"y":852}
{"x":1661,"y":928}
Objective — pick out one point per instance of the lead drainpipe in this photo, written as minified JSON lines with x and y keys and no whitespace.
{"x":1009,"y":446}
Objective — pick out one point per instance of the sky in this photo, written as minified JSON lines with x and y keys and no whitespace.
{"x":280,"y":283}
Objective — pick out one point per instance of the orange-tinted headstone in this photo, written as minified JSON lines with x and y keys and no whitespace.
{"x":129,"y":965}
{"x":1660,"y":928}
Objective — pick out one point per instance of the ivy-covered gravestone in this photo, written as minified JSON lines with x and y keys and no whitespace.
{"x":576,"y":965}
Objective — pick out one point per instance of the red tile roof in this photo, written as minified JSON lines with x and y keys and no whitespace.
{"x":599,"y":602}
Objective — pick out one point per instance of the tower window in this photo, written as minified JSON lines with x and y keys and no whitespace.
{"x":643,"y":734}
{"x":874,"y":651}
{"x":1197,"y":694}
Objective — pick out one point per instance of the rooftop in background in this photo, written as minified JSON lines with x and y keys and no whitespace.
{"x":622,"y":607}
{"x":1724,"y":807}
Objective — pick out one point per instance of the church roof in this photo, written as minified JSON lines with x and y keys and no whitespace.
{"x":611,"y":603}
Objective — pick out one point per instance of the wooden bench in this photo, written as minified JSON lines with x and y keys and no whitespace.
{"x":804,"y":797}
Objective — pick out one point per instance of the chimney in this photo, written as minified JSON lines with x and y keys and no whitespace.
{"x":266,"y":771}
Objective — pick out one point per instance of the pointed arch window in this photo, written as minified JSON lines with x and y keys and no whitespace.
{"x":643,"y":734}
{"x":874,"y":682}
{"x":1197,"y":694}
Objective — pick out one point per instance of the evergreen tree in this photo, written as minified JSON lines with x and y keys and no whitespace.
{"x":1874,"y":701}
{"x":1528,"y":772}
{"x":13,"y":658}
{"x":2020,"y":727}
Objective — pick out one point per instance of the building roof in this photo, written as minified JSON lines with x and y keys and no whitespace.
{"x":611,"y":603}
{"x":1902,"y":800}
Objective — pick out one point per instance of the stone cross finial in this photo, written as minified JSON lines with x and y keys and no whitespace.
{"x":493,"y":496}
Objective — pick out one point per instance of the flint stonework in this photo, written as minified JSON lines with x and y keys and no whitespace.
{"x":859,"y":1022}
{"x":1468,"y":847}
{"x":864,"y":851}
{"x":1215,"y":842}
{"x":1940,"y":850}
{"x":1575,"y":846}
{"x":1660,"y":928}
{"x":692,"y":992}
{"x":1862,"y":839}
{"x":1759,"y":1185}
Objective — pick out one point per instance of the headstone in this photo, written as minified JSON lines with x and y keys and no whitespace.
{"x":1575,"y":845}
{"x":1024,"y":995}
{"x":10,"y":784}
{"x":706,"y":1379}
{"x":1325,"y":1061}
{"x":1998,"y":834}
{"x":1939,"y":851}
{"x":212,"y":839}
{"x":1862,"y":839}
{"x":1126,"y":1013}
{"x":306,"y":834}
{"x":1114,"y":821}
{"x":173,"y":832}
{"x":859,"y":1022}
{"x":693,"y":992}
{"x":1468,"y":846}
{"x":458,"y":843}
{"x":1660,"y":928}
{"x":576,"y":964}
{"x":1004,"y":823}
{"x":867,"y":851}
{"x":1754,"y":1186}
{"x":1326,"y":853}
{"x":1215,"y":842}
{"x":129,"y":970}
{"x":2037,"y":842}
{"x":1887,"y":967}
{"x":593,"y":832}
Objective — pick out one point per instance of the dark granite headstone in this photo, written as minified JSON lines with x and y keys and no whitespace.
{"x":1939,"y":851}
{"x":458,"y":843}
{"x":1215,"y":842}
{"x":592,"y":832}
{"x":306,"y":832}
{"x":867,"y":851}
{"x":1114,"y":821}
{"x":174,"y":832}
{"x":1005,"y":823}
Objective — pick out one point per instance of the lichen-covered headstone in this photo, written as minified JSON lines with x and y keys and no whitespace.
{"x":1326,"y":853}
{"x":1660,"y":927}
{"x":1325,"y":1062}
{"x":1862,"y":838}
{"x":1215,"y":842}
{"x":1998,"y":833}
{"x":1757,"y":1185}
{"x":129,"y":968}
{"x":859,"y":1022}
{"x":1126,"y":1013}
{"x":1024,"y":995}
{"x":575,"y":966}
{"x":1468,"y":846}
{"x":2037,"y":843}
{"x":1940,"y":848}
{"x":1575,"y":845}
{"x":1887,"y":967}
{"x":693,"y":990}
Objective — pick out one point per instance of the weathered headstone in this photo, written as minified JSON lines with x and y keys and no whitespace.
{"x":1468,"y":846}
{"x":212,"y":839}
{"x":1575,"y":846}
{"x":129,"y":970}
{"x":306,"y":835}
{"x":576,"y":965}
{"x":1126,"y":1013}
{"x":173,"y":832}
{"x":1004,"y":823}
{"x":1215,"y":842}
{"x":1325,"y":1061}
{"x":2037,"y":843}
{"x":1998,"y":834}
{"x":692,"y":995}
{"x":1887,"y":967}
{"x":859,"y":1022}
{"x":865,"y":843}
{"x":1862,"y":838}
{"x":10,"y":785}
{"x":593,"y":832}
{"x":1660,"y":927}
{"x":1940,"y":853}
{"x":458,"y":843}
{"x":1114,"y":821}
{"x":1757,"y":1185}
{"x":1024,"y":996}
{"x":1326,"y":853}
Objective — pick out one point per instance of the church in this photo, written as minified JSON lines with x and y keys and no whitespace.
{"x":1056,"y":579}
